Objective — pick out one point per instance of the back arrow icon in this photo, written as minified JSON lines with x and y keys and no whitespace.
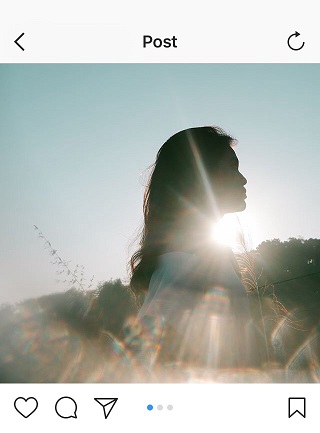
{"x":288,"y":42}
{"x":16,"y":41}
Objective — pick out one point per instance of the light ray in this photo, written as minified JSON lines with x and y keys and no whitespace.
{"x":204,"y":177}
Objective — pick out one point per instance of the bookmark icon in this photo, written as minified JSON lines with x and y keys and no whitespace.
{"x":107,"y":404}
{"x":297,"y":405}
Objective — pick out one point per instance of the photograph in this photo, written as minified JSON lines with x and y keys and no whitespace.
{"x":159,"y":223}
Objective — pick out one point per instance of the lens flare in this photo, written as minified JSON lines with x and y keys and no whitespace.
{"x":226,"y":231}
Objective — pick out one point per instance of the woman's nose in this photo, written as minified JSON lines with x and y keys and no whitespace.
{"x":244,"y":180}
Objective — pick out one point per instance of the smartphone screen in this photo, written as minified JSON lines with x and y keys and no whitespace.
{"x":160,"y":242}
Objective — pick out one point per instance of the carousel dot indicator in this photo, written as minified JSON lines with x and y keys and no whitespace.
{"x":160,"y":407}
{"x":149,"y":407}
{"x":170,"y":407}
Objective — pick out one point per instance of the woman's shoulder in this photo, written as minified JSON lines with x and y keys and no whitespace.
{"x":177,"y":257}
{"x":211,"y":256}
{"x":174,"y":265}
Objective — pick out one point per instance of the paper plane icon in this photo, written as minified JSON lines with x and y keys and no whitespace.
{"x":107,"y":404}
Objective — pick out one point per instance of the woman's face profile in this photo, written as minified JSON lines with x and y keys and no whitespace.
{"x":228,"y":184}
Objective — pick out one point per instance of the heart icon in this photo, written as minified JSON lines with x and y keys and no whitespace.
{"x":25,"y":406}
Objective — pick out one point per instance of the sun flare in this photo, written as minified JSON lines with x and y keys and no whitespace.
{"x":226,"y":231}
{"x":236,"y":231}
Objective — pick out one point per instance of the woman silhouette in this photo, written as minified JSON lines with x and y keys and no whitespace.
{"x":195,"y":308}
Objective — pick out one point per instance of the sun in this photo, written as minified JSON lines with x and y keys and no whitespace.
{"x":237,"y":231}
{"x":226,"y":231}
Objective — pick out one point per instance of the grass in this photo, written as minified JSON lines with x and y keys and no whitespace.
{"x":88,"y":334}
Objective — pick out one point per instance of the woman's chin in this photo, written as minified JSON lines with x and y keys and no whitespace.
{"x":239,"y":207}
{"x":243,"y":206}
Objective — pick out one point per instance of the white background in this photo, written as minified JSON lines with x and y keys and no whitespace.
{"x":244,"y":407}
{"x":207,"y":31}
{"x":247,"y":31}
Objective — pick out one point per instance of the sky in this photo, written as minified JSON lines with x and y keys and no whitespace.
{"x":76,"y":142}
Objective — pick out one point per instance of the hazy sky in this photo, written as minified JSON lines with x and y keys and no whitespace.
{"x":75,"y":139}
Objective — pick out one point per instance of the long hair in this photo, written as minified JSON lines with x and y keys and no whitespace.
{"x":179,"y":180}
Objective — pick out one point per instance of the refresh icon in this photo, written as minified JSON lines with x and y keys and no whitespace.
{"x":295,"y":34}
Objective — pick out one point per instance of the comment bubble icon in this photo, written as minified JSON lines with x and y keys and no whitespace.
{"x":66,"y":407}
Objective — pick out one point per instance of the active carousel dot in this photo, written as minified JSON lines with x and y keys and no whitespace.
{"x":149,"y":407}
